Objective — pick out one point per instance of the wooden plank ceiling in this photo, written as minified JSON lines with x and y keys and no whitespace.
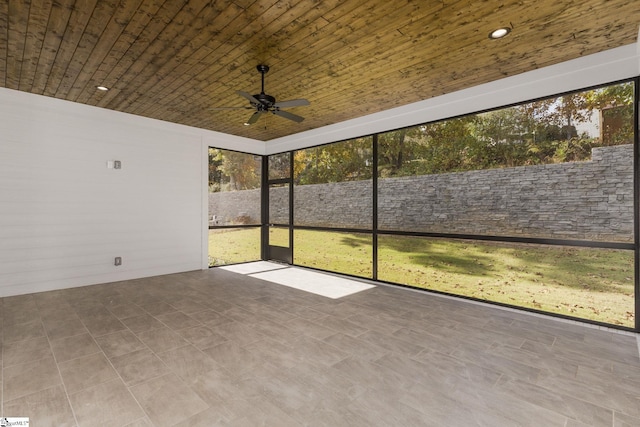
{"x":175,"y":60}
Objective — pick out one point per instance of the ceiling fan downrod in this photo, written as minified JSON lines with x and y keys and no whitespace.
{"x":263,"y":69}
{"x":266,"y":101}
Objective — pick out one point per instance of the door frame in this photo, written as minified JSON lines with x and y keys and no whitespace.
{"x":270,"y":252}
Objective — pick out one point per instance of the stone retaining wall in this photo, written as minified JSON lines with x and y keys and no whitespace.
{"x":590,"y":200}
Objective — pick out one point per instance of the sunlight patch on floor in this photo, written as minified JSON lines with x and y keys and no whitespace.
{"x":315,"y":282}
{"x":253,"y":267}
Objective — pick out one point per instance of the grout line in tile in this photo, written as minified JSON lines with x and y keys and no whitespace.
{"x":241,"y":295}
{"x":512,"y":310}
{"x":127,"y":386}
{"x":485,"y":304}
{"x":2,"y":361}
{"x":64,"y":387}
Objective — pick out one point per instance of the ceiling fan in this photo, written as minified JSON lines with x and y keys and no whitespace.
{"x":263,"y":103}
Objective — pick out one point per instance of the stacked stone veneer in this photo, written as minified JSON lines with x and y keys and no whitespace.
{"x":580,"y":200}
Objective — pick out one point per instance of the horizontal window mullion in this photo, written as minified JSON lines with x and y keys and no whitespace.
{"x":338,"y":229}
{"x":515,"y":239}
{"x":221,"y":227}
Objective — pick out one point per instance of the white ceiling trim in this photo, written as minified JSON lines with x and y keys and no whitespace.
{"x":615,"y":64}
{"x":40,"y":107}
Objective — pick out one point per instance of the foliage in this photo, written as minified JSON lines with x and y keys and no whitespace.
{"x":579,"y":106}
{"x":427,"y":149}
{"x":342,"y":161}
{"x":279,"y":166}
{"x":539,"y":132}
{"x":231,"y":170}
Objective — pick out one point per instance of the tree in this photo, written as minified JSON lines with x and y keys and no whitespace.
{"x":426,"y":149}
{"x":538,"y":132}
{"x":447,"y":146}
{"x":392,"y":151}
{"x":231,"y":170}
{"x":568,"y":110}
{"x":279,"y":166}
{"x":216,"y":176}
{"x":341,"y":161}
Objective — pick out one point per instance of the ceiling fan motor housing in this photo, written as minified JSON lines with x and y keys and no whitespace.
{"x":266,"y":101}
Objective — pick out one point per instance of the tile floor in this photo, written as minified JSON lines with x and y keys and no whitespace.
{"x":216,"y":348}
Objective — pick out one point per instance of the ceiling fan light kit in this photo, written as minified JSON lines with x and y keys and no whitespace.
{"x":263,"y":103}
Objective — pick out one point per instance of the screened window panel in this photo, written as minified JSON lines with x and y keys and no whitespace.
{"x":279,"y":166}
{"x":590,"y":283}
{"x":234,"y":188}
{"x":279,"y":236}
{"x":348,"y":253}
{"x":559,"y":168}
{"x":333,"y":185}
{"x":233,"y":245}
{"x":279,"y":204}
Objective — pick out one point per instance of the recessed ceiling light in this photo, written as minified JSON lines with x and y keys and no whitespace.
{"x":499,"y":33}
{"x":103,"y":88}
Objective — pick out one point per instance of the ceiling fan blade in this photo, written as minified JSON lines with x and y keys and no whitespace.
{"x":230,"y":108}
{"x":254,"y":118}
{"x":288,"y":115}
{"x":250,"y":97}
{"x":291,"y":103}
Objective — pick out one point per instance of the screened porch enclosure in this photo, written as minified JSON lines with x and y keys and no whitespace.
{"x":531,"y":206}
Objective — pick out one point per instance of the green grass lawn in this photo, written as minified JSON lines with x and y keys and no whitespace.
{"x":588,"y":283}
{"x":348,"y":253}
{"x":231,"y":246}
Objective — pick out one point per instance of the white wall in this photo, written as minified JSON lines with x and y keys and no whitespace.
{"x":64,"y":215}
